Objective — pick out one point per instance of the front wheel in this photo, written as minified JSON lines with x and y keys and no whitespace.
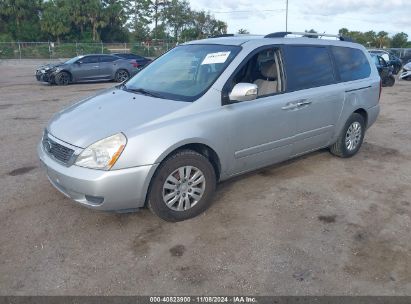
{"x":182,"y":186}
{"x":121,"y":75}
{"x":351,"y":137}
{"x":62,"y":78}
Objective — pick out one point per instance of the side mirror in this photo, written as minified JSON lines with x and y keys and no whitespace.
{"x":79,"y":62}
{"x":243,"y":92}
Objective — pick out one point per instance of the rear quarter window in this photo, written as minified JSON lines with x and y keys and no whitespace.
{"x":307,"y":67}
{"x":351,"y":63}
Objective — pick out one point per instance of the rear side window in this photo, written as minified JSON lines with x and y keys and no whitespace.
{"x":108,"y":58}
{"x":351,"y":63}
{"x":89,"y":59}
{"x":307,"y":67}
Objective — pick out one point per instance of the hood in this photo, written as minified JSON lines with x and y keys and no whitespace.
{"x":108,"y":113}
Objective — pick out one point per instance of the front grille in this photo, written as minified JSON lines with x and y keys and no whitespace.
{"x":57,"y":151}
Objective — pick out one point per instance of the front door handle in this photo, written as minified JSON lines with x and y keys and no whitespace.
{"x":96,"y":66}
{"x":303,"y":103}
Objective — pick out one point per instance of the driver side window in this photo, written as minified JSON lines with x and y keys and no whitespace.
{"x":262,"y":69}
{"x":89,"y":59}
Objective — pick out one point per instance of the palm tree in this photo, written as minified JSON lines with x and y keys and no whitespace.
{"x":382,"y":38}
{"x":243,"y":31}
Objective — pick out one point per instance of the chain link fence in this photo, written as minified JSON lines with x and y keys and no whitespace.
{"x":52,"y":50}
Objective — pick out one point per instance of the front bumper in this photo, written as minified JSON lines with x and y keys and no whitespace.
{"x":42,"y":76}
{"x":114,"y":190}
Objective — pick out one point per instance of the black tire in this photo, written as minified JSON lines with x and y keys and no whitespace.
{"x":171,"y":164}
{"x":121,"y":75}
{"x":62,"y":78}
{"x":339,"y":148}
{"x":390,"y":81}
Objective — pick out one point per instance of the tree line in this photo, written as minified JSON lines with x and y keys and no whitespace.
{"x":381,"y":39}
{"x":131,"y":20}
{"x":372,"y":39}
{"x":104,"y":20}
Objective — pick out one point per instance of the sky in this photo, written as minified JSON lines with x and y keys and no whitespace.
{"x":262,"y":17}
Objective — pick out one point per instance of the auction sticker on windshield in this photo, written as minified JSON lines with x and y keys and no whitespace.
{"x":219,"y":57}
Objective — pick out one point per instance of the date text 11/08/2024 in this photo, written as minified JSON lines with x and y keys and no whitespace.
{"x":199,"y":299}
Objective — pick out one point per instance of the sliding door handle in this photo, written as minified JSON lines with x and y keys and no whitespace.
{"x":289,"y":106}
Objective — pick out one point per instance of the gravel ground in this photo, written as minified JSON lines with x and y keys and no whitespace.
{"x":311,"y":226}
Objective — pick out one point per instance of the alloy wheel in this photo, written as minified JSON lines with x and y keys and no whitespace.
{"x":122,"y":76}
{"x":353,"y":136}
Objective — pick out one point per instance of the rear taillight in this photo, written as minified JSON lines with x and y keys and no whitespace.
{"x":135,"y":64}
{"x":379,"y":96}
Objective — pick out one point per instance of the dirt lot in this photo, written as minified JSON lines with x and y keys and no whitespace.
{"x":315,"y":225}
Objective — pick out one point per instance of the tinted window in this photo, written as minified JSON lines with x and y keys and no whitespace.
{"x":307,"y":67}
{"x":89,"y":59}
{"x":108,"y":58}
{"x":129,"y":56}
{"x":132,"y":56}
{"x":351,"y":63}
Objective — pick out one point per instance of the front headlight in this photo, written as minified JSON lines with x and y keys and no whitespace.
{"x":102,"y":154}
{"x":57,"y":70}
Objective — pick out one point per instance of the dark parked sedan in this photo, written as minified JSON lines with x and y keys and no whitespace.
{"x":87,"y":68}
{"x":139,"y":61}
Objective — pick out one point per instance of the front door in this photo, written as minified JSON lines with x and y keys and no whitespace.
{"x":261,"y":130}
{"x":86,"y":68}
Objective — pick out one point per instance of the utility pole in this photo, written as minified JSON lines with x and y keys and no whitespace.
{"x":286,"y":15}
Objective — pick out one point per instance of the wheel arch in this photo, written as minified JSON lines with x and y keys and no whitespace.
{"x":69,"y":73}
{"x":363,"y":113}
{"x":200,"y":147}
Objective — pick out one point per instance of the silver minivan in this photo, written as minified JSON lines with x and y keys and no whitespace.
{"x":206,"y":111}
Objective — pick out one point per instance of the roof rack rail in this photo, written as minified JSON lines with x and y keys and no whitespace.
{"x":221,"y":36}
{"x":283,"y":34}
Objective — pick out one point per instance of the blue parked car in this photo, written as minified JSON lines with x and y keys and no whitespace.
{"x":385,"y":70}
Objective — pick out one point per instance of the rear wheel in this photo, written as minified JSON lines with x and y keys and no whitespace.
{"x":182,"y":187}
{"x":121,"y":75}
{"x":351,"y":137}
{"x":62,"y":78}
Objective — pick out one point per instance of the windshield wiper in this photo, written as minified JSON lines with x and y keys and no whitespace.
{"x":142,"y":91}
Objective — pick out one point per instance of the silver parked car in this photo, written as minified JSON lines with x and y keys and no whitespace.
{"x":87,"y":68}
{"x":206,"y":111}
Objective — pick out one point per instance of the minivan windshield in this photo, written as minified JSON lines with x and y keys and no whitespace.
{"x":184,"y":73}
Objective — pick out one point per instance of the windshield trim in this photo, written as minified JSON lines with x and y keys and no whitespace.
{"x":182,"y":98}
